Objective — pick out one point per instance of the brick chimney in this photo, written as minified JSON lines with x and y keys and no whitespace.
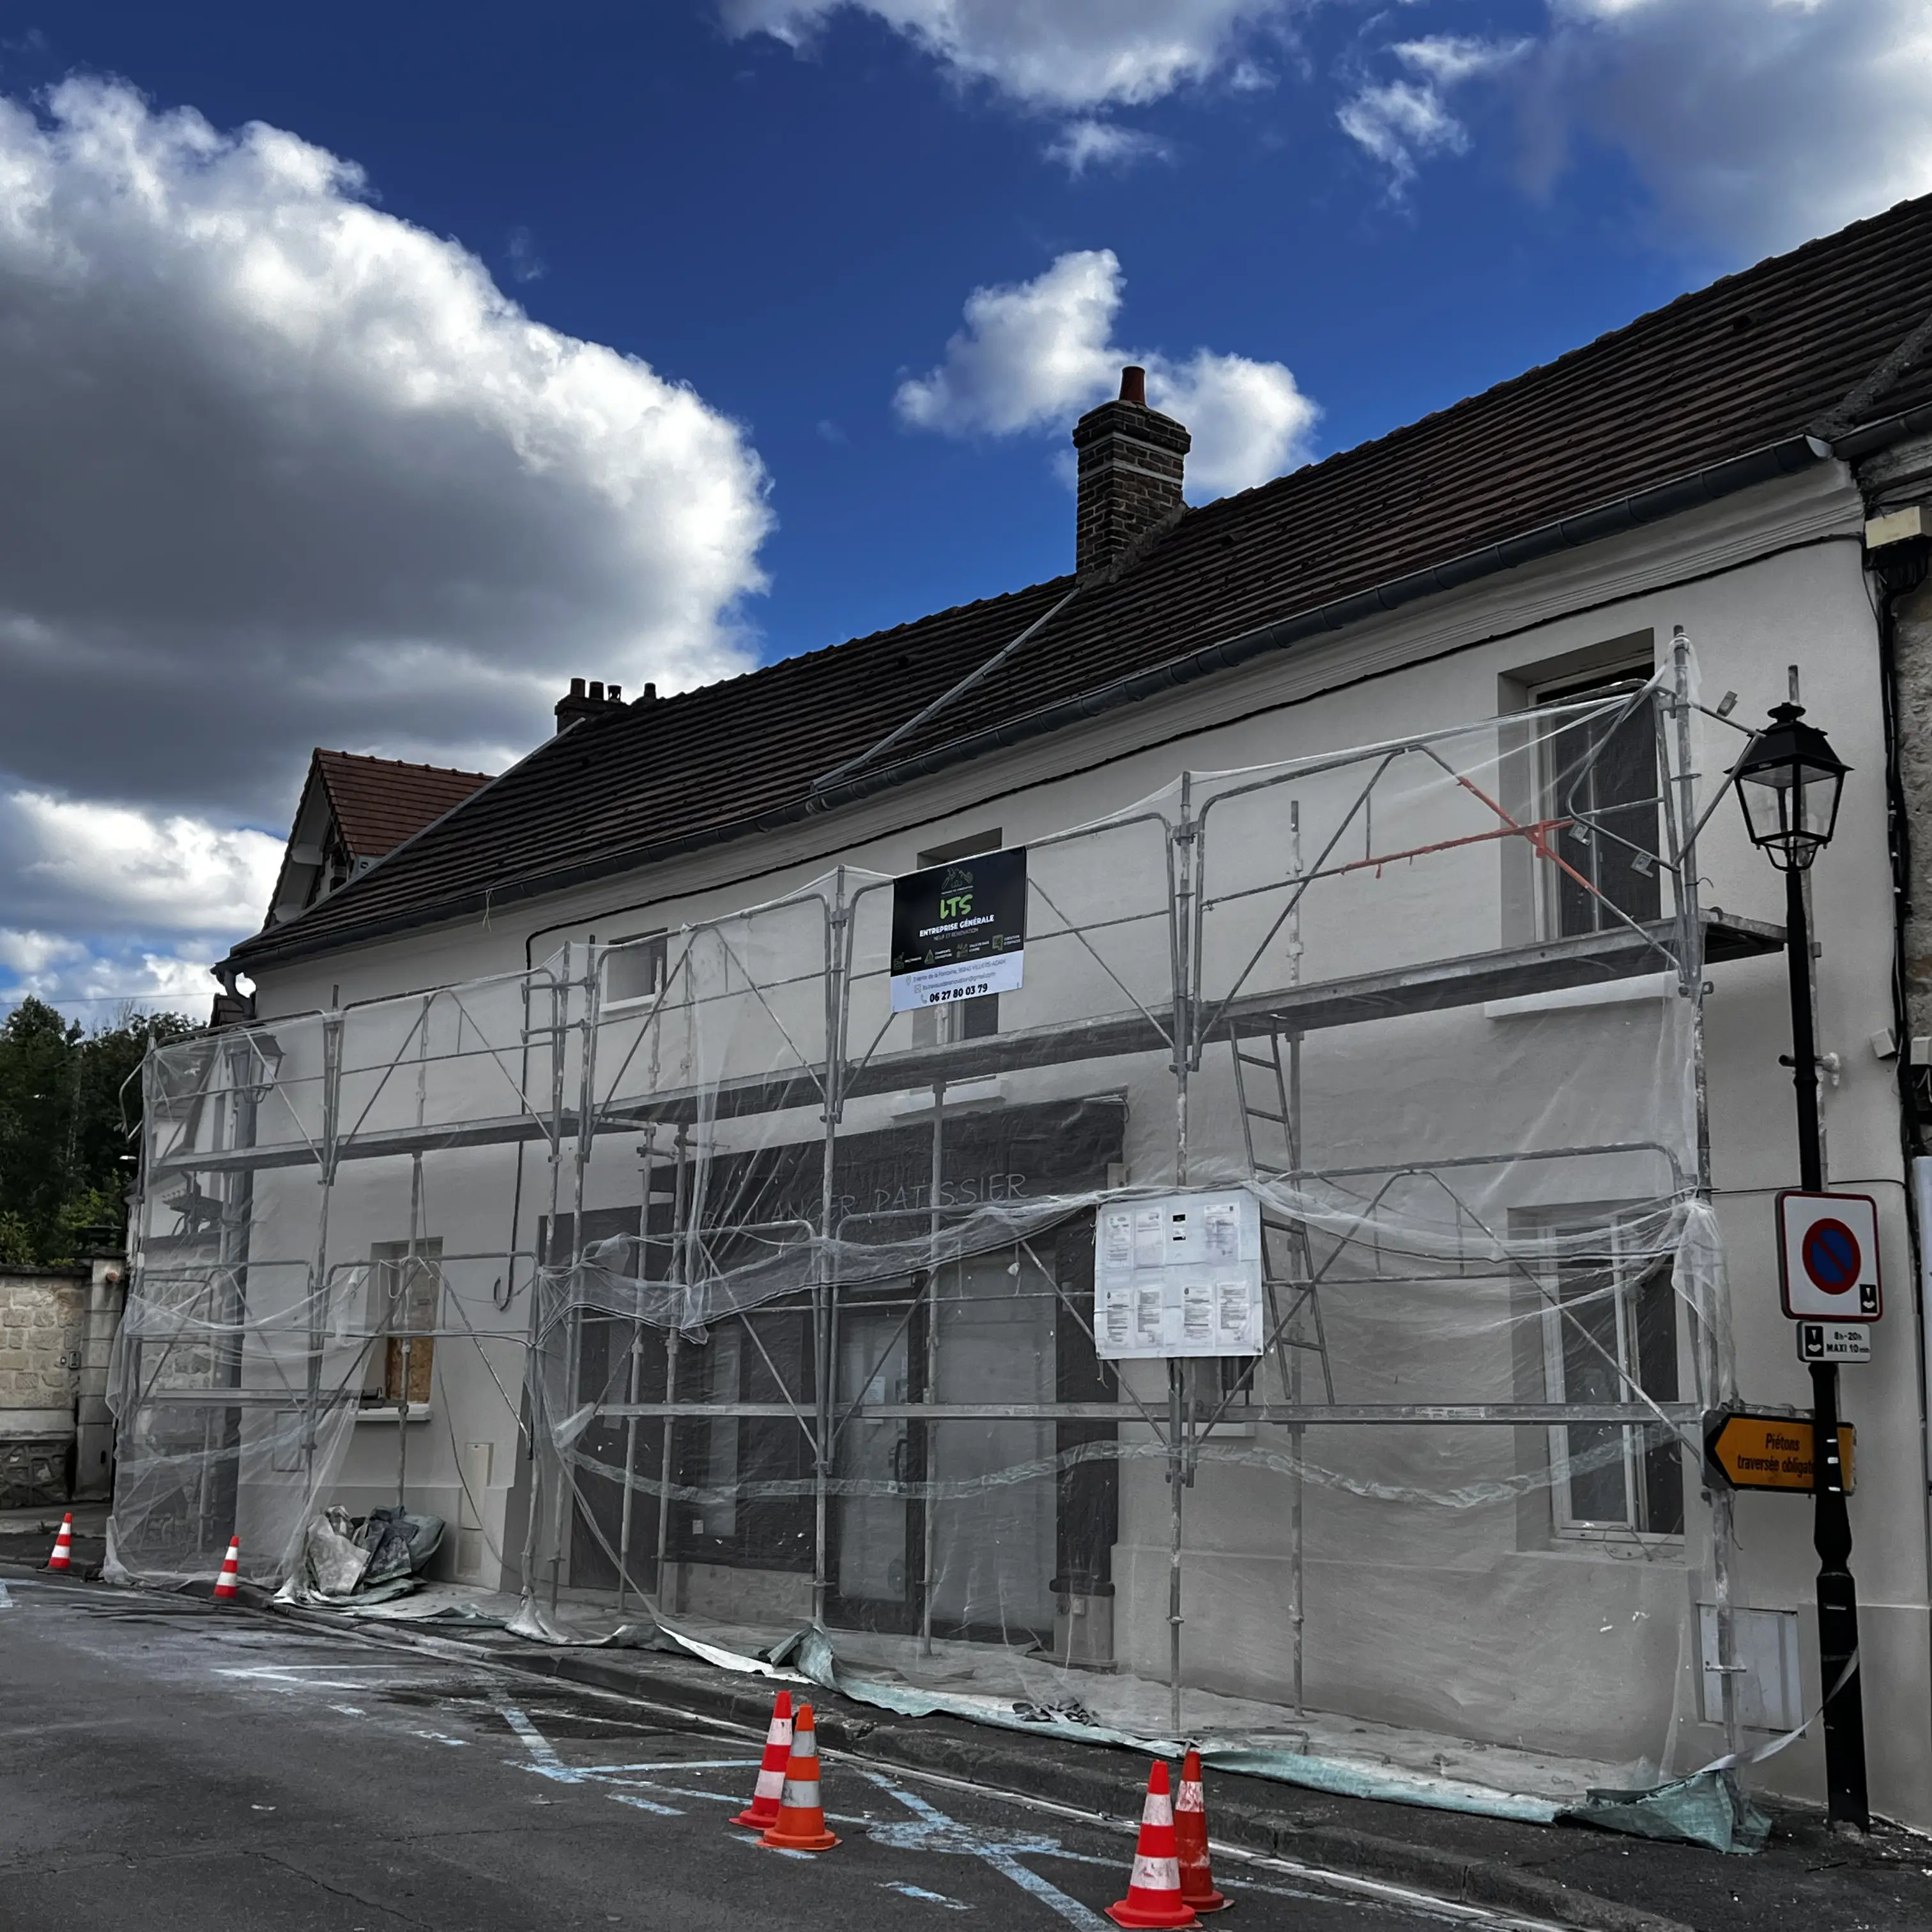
{"x":578,"y":703}
{"x":1132,"y":462}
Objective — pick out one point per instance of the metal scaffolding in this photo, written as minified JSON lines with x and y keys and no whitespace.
{"x":1196,"y":983}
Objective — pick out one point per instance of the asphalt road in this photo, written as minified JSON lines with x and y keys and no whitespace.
{"x":164,"y":1763}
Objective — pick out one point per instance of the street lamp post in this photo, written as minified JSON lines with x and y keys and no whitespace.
{"x":1789,"y":782}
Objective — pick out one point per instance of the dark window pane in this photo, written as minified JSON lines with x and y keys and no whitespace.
{"x":1604,"y":780}
{"x":1663,"y":1469}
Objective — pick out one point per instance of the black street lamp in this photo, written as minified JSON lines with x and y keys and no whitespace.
{"x":1789,"y":781}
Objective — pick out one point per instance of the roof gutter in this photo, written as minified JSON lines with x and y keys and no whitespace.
{"x":1633,"y":512}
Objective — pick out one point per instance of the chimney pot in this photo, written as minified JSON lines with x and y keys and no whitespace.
{"x":579,"y":702}
{"x":1133,"y":385}
{"x":650,"y":696}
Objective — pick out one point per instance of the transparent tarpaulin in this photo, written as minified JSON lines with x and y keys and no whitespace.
{"x":789,"y":1299}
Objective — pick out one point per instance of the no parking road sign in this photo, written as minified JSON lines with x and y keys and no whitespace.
{"x":1828,"y":1256}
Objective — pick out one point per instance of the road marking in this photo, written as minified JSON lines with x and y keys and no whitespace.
{"x":644,"y":1804}
{"x":931,"y":1830}
{"x":544,"y":1762}
{"x":282,"y":1677}
{"x":920,"y":1892}
{"x":1326,"y":1880}
{"x":6,"y":1601}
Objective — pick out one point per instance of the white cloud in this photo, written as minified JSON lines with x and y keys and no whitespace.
{"x":1400,"y":122}
{"x":173,"y":873}
{"x":35,"y":952}
{"x":279,"y":469}
{"x":1034,"y":355}
{"x":1062,"y":53}
{"x":1753,"y":124}
{"x":1089,"y":143}
{"x":1249,"y":422}
{"x":88,"y":986}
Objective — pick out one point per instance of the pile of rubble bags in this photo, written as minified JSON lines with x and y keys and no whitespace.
{"x":353,"y":1560}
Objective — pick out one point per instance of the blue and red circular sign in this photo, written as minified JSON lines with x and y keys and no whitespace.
{"x":1830,"y":1257}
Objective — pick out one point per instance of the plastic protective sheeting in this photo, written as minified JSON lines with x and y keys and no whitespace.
{"x":789,"y":1299}
{"x":1708,"y":1808}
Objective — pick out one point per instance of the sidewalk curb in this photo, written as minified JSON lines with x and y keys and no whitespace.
{"x":999,"y":1765}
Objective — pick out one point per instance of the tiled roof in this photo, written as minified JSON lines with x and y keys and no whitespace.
{"x":1809,"y":341}
{"x":380,"y":802}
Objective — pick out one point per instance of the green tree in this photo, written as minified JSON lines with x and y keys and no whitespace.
{"x":62,"y":1131}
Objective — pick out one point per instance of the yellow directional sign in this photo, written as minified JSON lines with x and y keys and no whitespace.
{"x":1769,"y":1452}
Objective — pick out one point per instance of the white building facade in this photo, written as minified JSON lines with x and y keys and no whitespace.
{"x":620,"y":1222}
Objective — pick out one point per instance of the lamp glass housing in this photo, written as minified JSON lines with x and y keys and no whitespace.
{"x":1789,"y":782}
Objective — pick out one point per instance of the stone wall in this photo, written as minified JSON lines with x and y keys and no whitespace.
{"x":1913,"y":649}
{"x":43,"y":1324}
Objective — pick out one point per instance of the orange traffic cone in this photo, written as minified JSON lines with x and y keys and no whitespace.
{"x":763,"y":1811}
{"x":1153,"y":1893}
{"x":63,"y":1556}
{"x":231,"y":1571}
{"x":801,"y":1825}
{"x":1190,"y":1838}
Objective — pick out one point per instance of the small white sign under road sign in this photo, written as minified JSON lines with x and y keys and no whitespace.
{"x":1834,"y":1342}
{"x":1828,"y":1256}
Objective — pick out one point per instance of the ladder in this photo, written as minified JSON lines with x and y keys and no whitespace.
{"x":1267,"y":1091}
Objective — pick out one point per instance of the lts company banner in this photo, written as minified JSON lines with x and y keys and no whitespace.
{"x":959,"y":930}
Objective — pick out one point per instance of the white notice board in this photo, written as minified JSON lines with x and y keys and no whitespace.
{"x":1178,"y":1274}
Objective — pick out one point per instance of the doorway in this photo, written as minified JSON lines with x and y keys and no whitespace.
{"x":877,"y":1528}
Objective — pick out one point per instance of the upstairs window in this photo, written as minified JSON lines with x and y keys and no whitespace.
{"x":1600,"y":774}
{"x":634,"y":970}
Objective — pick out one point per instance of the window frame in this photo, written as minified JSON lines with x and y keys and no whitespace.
{"x":654,"y":946}
{"x":1542,"y":695}
{"x":1630,"y":1274}
{"x":382,"y":1366}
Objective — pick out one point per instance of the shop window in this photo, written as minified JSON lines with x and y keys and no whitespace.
{"x":737,"y":1462}
{"x":1601,"y":776}
{"x":1609,"y":1323}
{"x":405,"y":1296}
{"x":962,"y":1019}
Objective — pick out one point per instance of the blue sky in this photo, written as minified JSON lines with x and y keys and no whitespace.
{"x":301,"y":472}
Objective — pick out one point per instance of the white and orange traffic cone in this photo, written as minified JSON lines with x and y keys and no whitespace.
{"x":63,"y":1556}
{"x":1190,"y":1839}
{"x":801,"y":1821}
{"x":1153,"y":1897}
{"x":762,"y":1813}
{"x":231,"y":1572}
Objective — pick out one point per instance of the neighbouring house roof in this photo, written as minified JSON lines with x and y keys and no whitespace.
{"x":1758,"y":374}
{"x":355,"y":810}
{"x":380,"y":802}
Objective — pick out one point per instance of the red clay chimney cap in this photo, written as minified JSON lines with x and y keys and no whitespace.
{"x":1133,"y":385}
